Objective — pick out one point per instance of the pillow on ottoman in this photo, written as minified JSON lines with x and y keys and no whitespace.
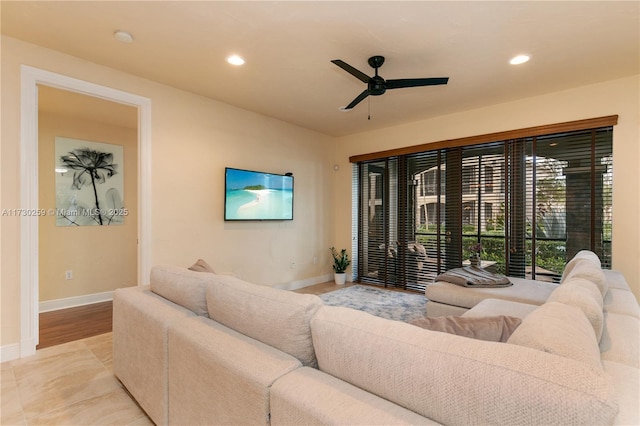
{"x":494,"y":329}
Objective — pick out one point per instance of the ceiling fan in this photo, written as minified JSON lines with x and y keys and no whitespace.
{"x":377,"y":85}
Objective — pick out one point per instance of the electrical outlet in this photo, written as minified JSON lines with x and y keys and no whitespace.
{"x":68,"y":275}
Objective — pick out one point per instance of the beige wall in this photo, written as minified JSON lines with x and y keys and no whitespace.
{"x":619,"y":97}
{"x":102,"y":258}
{"x":193,"y":139}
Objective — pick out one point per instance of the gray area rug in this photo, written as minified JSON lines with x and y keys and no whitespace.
{"x":393,"y":305}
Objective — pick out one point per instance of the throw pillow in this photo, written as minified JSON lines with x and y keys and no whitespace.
{"x":562,"y":330}
{"x":494,"y":329}
{"x":202,"y":266}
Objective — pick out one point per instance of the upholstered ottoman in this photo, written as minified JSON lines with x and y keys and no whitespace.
{"x":450,"y":299}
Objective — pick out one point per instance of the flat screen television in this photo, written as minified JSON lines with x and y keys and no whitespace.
{"x":252,"y":195}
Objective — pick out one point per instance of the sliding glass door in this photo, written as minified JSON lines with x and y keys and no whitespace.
{"x":532,"y":203}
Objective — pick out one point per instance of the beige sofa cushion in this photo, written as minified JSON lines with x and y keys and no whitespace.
{"x":621,"y":339}
{"x":626,"y":382}
{"x":615,"y":279}
{"x":489,"y":307}
{"x":622,"y":302}
{"x":307,"y":396}
{"x":181,"y":286}
{"x":457,"y":380}
{"x":588,"y":270}
{"x":559,"y":329}
{"x":582,"y":294}
{"x":276,"y":317}
{"x":582,"y":255}
{"x":493,"y":328}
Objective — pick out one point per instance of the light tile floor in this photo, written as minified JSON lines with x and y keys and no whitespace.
{"x":69,"y":384}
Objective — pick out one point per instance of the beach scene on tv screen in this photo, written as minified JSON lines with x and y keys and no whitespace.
{"x":258,"y":196}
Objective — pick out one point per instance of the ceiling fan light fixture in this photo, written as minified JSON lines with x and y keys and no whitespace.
{"x":235,"y":60}
{"x":123,"y":36}
{"x":519,"y":59}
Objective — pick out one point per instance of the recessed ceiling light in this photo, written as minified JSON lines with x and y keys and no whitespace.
{"x":520,"y":59}
{"x":235,"y":60}
{"x":123,"y":36}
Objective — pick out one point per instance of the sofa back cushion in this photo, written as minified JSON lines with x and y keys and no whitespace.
{"x":584,"y":295}
{"x":562,"y":330}
{"x":589,"y":271}
{"x":276,"y":317}
{"x":586,"y":264}
{"x":456,"y":380}
{"x":582,"y":255}
{"x":181,"y":286}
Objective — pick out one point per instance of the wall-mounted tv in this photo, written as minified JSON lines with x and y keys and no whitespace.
{"x":252,"y":195}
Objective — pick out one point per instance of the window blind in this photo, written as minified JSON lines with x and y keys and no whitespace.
{"x":531,"y":203}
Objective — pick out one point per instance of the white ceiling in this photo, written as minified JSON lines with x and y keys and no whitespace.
{"x":288,"y":47}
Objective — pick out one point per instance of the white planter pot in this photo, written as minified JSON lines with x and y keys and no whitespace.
{"x":340,"y":279}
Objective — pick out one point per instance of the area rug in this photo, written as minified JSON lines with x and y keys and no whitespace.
{"x":393,"y":305}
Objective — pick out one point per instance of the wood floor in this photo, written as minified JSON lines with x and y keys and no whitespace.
{"x":322,"y":288}
{"x":68,"y":325}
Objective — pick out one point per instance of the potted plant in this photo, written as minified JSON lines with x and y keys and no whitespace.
{"x":474,"y":259}
{"x":340,"y":264}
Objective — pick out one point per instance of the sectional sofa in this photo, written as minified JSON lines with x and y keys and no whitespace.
{"x":200,"y":348}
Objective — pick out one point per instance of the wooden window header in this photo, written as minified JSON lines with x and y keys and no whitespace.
{"x":548,"y":129}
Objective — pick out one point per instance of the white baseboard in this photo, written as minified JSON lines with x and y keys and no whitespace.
{"x":9,"y":352}
{"x":70,"y":302}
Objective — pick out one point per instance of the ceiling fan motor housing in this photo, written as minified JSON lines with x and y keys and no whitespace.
{"x":377,"y":86}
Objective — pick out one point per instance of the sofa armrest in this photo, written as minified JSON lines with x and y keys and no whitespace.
{"x":140,"y":322}
{"x":217,"y":375}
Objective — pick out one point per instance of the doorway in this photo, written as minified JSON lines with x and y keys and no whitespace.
{"x":31,"y":78}
{"x":87,"y":184}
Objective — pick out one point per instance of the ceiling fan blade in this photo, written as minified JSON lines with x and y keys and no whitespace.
{"x":351,"y":70}
{"x":415,"y":82}
{"x":357,"y":100}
